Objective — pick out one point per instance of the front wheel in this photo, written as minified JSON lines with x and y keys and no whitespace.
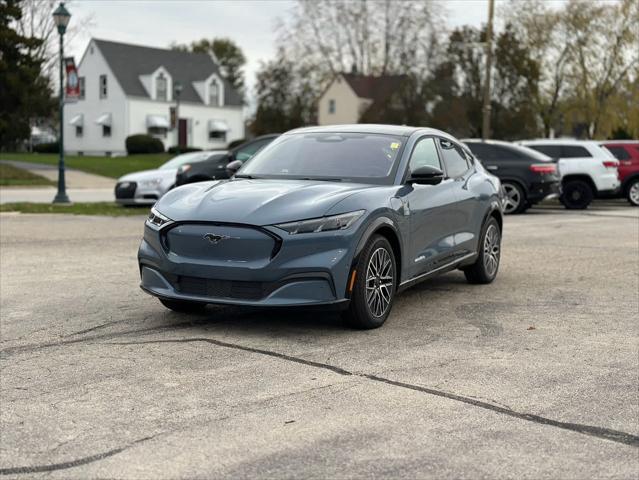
{"x":577,"y":195}
{"x":484,"y":270}
{"x":375,"y":285}
{"x":633,"y":192}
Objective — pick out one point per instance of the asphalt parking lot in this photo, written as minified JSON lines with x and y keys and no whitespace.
{"x":534,"y":376}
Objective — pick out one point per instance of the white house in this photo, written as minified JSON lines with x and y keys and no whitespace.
{"x":351,"y":96}
{"x":129,"y":89}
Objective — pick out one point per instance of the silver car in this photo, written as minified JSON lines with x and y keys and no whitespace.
{"x":148,"y":186}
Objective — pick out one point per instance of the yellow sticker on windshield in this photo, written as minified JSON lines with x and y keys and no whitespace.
{"x":395,"y":145}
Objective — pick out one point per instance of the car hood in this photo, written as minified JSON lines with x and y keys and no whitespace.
{"x":255,"y":202}
{"x":164,"y":174}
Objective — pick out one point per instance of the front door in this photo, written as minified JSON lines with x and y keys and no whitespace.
{"x":182,"y":131}
{"x":432,"y":228}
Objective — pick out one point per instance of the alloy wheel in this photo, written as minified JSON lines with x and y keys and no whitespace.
{"x":633,"y":193}
{"x":492,"y":242}
{"x":379,"y":282}
{"x":513,"y":198}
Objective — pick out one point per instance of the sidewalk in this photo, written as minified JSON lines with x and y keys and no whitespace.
{"x":81,"y":186}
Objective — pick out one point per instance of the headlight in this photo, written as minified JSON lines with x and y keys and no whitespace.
{"x":156,"y":220}
{"x":322,"y":224}
{"x":151,"y":183}
{"x":184,"y":168}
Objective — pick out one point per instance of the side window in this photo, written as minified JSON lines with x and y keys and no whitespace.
{"x":574,"y":151}
{"x":250,"y":150}
{"x":482,"y":151}
{"x":454,"y":158}
{"x":424,"y":154}
{"x":553,"y":151}
{"x":619,"y":152}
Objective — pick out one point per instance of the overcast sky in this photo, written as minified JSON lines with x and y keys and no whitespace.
{"x":250,"y":23}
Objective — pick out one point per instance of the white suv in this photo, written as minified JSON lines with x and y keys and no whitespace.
{"x":587,"y":169}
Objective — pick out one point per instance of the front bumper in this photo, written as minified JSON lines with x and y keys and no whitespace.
{"x":137,"y":194}
{"x":245,"y":269}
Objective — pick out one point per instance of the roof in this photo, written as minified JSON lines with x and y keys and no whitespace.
{"x":129,"y":62}
{"x":558,"y":141}
{"x":398,"y":130}
{"x":375,"y":88}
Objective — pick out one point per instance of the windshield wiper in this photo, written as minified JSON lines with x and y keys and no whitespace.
{"x":322,"y":179}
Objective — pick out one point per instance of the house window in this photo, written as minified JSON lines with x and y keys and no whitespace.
{"x":79,"y":130}
{"x":103,"y":86}
{"x":331,"y":106}
{"x":157,"y":131}
{"x":81,"y":84}
{"x":160,"y":87}
{"x":217,"y":136}
{"x":214,"y":93}
{"x":106,"y":130}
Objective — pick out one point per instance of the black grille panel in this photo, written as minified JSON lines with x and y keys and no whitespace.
{"x":125,"y":189}
{"x":239,"y":290}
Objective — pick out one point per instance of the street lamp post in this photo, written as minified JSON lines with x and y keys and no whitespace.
{"x":61,"y":18}
{"x":485,"y":128}
{"x":178,"y":91}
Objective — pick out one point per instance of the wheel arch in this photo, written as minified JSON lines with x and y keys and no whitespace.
{"x":628,"y":181}
{"x":583,"y":178}
{"x":521,"y":184}
{"x":385,"y":227}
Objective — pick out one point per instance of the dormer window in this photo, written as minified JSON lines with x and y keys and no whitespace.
{"x":161,"y":88}
{"x":214,"y":93}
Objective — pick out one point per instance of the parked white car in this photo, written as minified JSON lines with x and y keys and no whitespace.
{"x":587,"y":169}
{"x":148,"y":186}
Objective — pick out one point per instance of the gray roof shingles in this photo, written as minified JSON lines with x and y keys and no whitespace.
{"x":129,"y":62}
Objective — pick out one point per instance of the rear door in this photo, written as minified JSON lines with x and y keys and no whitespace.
{"x":432,"y":223}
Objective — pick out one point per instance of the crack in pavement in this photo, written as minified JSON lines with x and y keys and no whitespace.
{"x":7,"y":352}
{"x":72,"y":463}
{"x":591,"y":430}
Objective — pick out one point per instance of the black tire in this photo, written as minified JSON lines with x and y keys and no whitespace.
{"x":374,"y":290}
{"x":632,"y":192}
{"x":484,"y":270}
{"x":182,"y":306}
{"x":577,"y":195}
{"x":516,"y":201}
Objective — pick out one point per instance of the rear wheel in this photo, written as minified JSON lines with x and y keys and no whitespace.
{"x":375,"y":284}
{"x":515,"y":198}
{"x":182,"y":306}
{"x":633,"y":192}
{"x":577,"y":195}
{"x":484,"y":270}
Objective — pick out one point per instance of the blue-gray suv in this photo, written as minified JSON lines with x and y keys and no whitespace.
{"x":344,"y":215}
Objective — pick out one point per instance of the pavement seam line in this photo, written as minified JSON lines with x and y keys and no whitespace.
{"x":591,"y":430}
{"x":72,"y":463}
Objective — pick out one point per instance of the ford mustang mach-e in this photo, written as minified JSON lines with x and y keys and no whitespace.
{"x":344,"y":215}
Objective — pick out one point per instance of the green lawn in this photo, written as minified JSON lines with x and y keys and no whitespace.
{"x":10,"y":175}
{"x":107,"y":166}
{"x":103,"y":208}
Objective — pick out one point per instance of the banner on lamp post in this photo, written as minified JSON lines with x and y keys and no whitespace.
{"x":72,"y":90}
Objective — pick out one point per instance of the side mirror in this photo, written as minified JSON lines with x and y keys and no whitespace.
{"x":233,"y":167}
{"x":426,"y":175}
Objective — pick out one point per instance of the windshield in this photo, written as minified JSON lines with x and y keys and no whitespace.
{"x":354,"y":157}
{"x":180,"y":160}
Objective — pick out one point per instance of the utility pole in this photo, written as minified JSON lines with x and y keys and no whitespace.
{"x":485,"y":130}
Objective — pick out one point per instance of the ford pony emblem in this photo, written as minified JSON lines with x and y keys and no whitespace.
{"x":214,"y":238}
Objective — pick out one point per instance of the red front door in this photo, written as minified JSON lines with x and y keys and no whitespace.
{"x":182,"y":132}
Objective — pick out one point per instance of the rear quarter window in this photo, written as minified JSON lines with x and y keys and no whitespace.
{"x":553,"y":151}
{"x":574,"y":151}
{"x":619,"y":152}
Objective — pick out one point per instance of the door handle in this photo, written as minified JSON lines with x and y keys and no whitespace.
{"x":492,"y":167}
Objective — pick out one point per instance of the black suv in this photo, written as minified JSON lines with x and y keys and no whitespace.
{"x":214,"y":168}
{"x":527,"y":176}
